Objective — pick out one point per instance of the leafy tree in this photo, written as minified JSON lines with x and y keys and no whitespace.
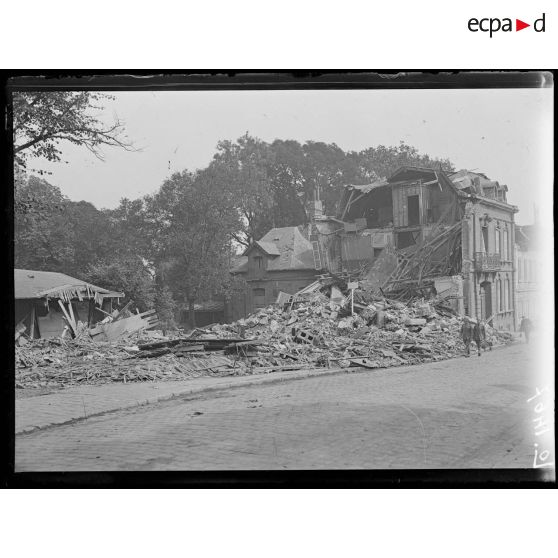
{"x":131,"y":229}
{"x":245,"y":164}
{"x":92,"y":238}
{"x":166,"y":307}
{"x":380,"y":162}
{"x":42,"y":120}
{"x":42,"y":239}
{"x":131,"y":276}
{"x":52,"y":233}
{"x":194,"y":216}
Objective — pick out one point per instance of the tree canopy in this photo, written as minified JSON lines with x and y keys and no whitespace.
{"x":274,"y":182}
{"x":42,"y":120}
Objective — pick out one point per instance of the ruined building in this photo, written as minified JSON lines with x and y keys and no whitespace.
{"x":420,"y":232}
{"x":425,"y":232}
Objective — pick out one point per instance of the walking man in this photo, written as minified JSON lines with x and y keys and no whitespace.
{"x":479,"y":335}
{"x":526,"y":327}
{"x":467,"y":334}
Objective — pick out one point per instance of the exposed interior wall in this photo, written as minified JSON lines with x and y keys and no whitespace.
{"x":49,"y":321}
{"x":376,"y":207}
{"x":51,"y":325}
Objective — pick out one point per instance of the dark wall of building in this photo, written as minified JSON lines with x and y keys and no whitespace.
{"x":262,"y":292}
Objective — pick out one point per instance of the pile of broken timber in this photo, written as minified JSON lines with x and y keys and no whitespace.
{"x":333,"y":322}
{"x":63,"y":362}
{"x":121,"y":327}
{"x":412,"y":278}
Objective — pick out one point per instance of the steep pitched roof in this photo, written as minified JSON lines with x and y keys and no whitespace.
{"x":239,"y":264}
{"x":287,"y":248}
{"x":43,"y":284}
{"x":268,"y":247}
{"x":294,"y":249}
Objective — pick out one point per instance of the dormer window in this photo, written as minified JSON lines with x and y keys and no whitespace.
{"x":258,"y":262}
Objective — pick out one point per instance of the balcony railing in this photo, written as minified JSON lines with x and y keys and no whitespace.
{"x":487,"y":262}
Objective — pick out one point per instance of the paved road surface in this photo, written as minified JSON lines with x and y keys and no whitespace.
{"x":454,"y":414}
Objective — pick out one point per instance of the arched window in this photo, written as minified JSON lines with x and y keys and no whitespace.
{"x":505,"y":246}
{"x":508,"y":295}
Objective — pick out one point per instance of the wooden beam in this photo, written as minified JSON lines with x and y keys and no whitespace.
{"x":32,"y":328}
{"x":68,"y":319}
{"x":347,"y":206}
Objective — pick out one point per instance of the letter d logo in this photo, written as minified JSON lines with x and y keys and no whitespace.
{"x":538,"y":26}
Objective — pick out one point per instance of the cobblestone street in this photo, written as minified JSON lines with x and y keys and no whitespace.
{"x":462,"y":413}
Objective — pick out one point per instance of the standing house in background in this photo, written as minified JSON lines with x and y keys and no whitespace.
{"x":527,"y":272}
{"x":44,"y":298}
{"x":283,"y":260}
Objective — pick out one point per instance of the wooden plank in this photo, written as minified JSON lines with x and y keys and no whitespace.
{"x":68,"y":319}
{"x":71,"y":310}
{"x":32,"y":328}
{"x":121,"y":328}
{"x":347,"y":206}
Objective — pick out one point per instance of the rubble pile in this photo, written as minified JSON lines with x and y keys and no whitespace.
{"x":60,"y":363}
{"x":325,"y":324}
{"x":318,"y":330}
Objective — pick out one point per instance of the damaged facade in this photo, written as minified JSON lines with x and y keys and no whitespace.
{"x":454,"y":231}
{"x":419,"y":233}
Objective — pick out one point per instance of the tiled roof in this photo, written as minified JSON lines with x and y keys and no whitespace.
{"x":36,"y":284}
{"x":268,"y":247}
{"x":295,"y":251}
{"x":287,"y":249}
{"x":239,"y":264}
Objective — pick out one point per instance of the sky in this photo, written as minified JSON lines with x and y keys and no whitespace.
{"x":505,"y":133}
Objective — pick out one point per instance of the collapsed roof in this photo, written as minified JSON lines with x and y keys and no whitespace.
{"x":478,"y":183}
{"x":29,"y":284}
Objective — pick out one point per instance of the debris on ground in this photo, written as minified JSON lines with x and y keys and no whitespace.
{"x":324,"y":325}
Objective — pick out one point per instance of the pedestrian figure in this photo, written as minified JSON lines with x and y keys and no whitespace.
{"x":526,"y":327}
{"x":467,"y":334}
{"x":479,"y":335}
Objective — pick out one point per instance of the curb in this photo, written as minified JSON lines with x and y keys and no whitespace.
{"x":262,"y":379}
{"x":188,"y":392}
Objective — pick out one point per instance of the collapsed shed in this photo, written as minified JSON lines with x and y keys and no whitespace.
{"x":46,"y":302}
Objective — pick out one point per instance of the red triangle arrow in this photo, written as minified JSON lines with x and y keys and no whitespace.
{"x":519,"y":25}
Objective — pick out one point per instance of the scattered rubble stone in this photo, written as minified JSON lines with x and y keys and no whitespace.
{"x":312,"y":329}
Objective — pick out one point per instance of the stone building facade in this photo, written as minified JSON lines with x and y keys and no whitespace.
{"x":527,"y":265}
